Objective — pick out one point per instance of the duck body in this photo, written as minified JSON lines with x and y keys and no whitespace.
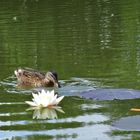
{"x":31,"y":77}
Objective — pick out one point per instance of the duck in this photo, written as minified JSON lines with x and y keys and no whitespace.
{"x":35,"y":78}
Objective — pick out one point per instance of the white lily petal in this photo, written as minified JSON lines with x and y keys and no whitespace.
{"x":35,"y":95}
{"x":52,"y":92}
{"x":43,"y":91}
{"x":37,"y":102}
{"x":45,"y":103}
{"x":59,"y":109}
{"x":48,"y":92}
{"x":45,"y":99}
{"x":31,"y":103}
{"x":53,"y":100}
{"x":58,"y":100}
{"x":36,"y":98}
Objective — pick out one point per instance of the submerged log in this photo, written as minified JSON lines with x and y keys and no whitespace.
{"x":111,"y":94}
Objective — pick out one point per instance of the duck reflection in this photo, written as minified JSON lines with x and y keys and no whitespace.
{"x":45,"y":113}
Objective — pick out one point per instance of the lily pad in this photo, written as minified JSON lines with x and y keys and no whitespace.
{"x":131,"y":123}
{"x":111,"y":94}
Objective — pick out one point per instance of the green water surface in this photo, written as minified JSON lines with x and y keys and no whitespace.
{"x":91,"y":44}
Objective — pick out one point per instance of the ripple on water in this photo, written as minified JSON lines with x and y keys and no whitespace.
{"x":76,"y":122}
{"x":68,"y":87}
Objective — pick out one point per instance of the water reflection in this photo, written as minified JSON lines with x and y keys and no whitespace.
{"x":45,"y":113}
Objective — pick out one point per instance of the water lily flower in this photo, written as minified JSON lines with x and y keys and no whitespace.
{"x":45,"y":99}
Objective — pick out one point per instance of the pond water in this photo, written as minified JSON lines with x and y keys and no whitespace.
{"x":91,"y":44}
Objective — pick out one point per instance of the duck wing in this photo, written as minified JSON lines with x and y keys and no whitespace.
{"x":31,"y":73}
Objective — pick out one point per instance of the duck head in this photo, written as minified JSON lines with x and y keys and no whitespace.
{"x":18,"y":72}
{"x":52,"y":77}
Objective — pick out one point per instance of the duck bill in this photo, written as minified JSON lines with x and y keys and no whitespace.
{"x":58,"y":84}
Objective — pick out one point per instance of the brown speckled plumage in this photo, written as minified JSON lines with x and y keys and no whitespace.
{"x":31,"y":77}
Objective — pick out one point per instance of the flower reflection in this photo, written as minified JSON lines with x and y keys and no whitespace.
{"x":45,"y":113}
